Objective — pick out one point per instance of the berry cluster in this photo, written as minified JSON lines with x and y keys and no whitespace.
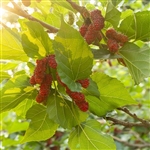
{"x":77,"y":97}
{"x":115,"y":40}
{"x":84,"y":83}
{"x":42,"y":76}
{"x":91,"y":31}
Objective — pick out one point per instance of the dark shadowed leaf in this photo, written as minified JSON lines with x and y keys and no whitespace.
{"x":64,"y":112}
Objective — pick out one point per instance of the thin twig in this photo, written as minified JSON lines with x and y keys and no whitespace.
{"x":145,"y":122}
{"x":3,"y":24}
{"x":81,"y":9}
{"x":126,"y":124}
{"x":131,"y":144}
{"x":137,"y":136}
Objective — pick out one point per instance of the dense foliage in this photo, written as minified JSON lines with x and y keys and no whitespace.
{"x":69,"y":68}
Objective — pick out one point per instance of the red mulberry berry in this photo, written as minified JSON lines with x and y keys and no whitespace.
{"x":90,"y":35}
{"x":121,"y":38}
{"x":40,"y":98}
{"x":99,"y":36}
{"x":83,"y":30}
{"x":112,"y":45}
{"x":84,"y":83}
{"x":95,"y":14}
{"x":98,"y":24}
{"x":45,"y":86}
{"x":111,"y":33}
{"x":83,"y":106}
{"x":40,"y":70}
{"x":32,"y":80}
{"x":52,"y":62}
{"x":76,"y":96}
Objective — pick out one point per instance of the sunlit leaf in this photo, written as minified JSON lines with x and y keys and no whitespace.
{"x":92,"y":89}
{"x":41,"y":127}
{"x":112,"y":14}
{"x":73,"y":56}
{"x":4,"y":75}
{"x":137,"y":26}
{"x":113,"y":94}
{"x":11,"y":46}
{"x":37,"y":38}
{"x":88,"y":136}
{"x":137,"y":60}
{"x":15,"y":91}
{"x":22,"y":108}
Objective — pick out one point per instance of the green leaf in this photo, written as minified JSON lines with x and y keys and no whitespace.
{"x":113,"y":94}
{"x":92,"y":89}
{"x":64,"y":112}
{"x":127,"y":27}
{"x":4,"y":75}
{"x":37,"y":37}
{"x":15,"y":91}
{"x":50,"y":18}
{"x":112,"y":14}
{"x":137,"y":60}
{"x":116,"y":2}
{"x":11,"y":46}
{"x":31,"y":49}
{"x":126,"y":13}
{"x":88,"y":136}
{"x":104,"y":54}
{"x":142,"y":25}
{"x":63,"y":4}
{"x":9,"y":65}
{"x":73,"y":56}
{"x":22,"y":108}
{"x":43,"y":7}
{"x":17,"y":126}
{"x":9,"y":142}
{"x":41,"y":127}
{"x":53,"y":20}
{"x":137,"y":26}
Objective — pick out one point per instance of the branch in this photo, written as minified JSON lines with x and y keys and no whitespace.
{"x":131,"y":144}
{"x":3,"y":24}
{"x":81,"y":9}
{"x":137,"y":136}
{"x":144,"y":122}
{"x":20,"y":12}
{"x":126,"y":124}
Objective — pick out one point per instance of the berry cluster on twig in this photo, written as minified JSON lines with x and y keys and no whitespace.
{"x":42,"y":76}
{"x":77,"y":97}
{"x":115,"y":40}
{"x":90,"y":30}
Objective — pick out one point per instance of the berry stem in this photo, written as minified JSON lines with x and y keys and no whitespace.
{"x":81,"y":9}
